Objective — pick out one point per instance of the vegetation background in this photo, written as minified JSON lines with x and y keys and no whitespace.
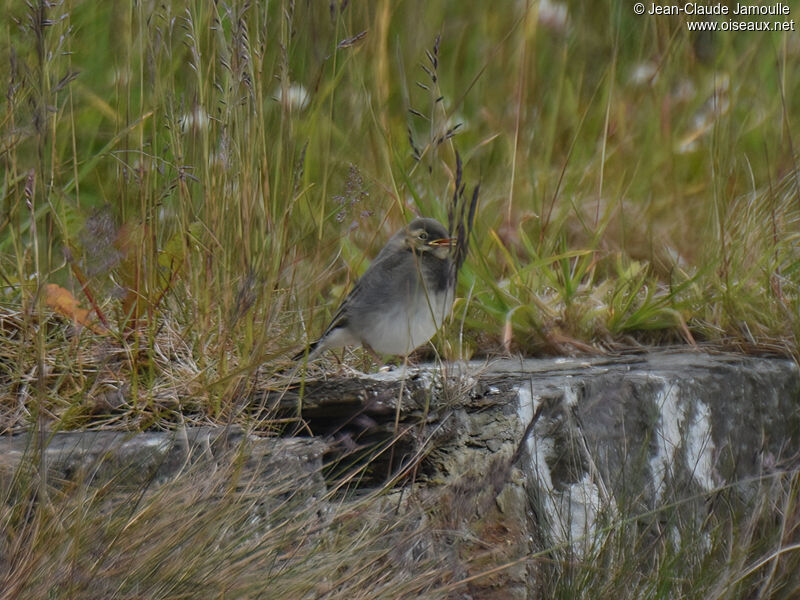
{"x":189,"y":188}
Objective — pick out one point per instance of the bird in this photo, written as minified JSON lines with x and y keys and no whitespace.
{"x":402,"y":298}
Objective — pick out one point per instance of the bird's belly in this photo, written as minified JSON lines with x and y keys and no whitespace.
{"x":402,"y":329}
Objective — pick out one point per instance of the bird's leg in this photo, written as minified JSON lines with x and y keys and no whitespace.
{"x":376,"y":357}
{"x":411,"y":360}
{"x":399,"y":362}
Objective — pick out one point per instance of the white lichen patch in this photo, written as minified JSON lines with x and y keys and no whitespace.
{"x":525,"y":407}
{"x":538,"y":448}
{"x":154,"y":442}
{"x":570,"y":395}
{"x":668,"y":434}
{"x":571,"y":512}
{"x":576,"y":511}
{"x":398,"y":374}
{"x":682,"y":425}
{"x":699,"y":447}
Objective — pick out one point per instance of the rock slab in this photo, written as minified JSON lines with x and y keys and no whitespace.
{"x":518,"y":455}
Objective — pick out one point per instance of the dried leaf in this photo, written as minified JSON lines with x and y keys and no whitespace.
{"x":63,"y":302}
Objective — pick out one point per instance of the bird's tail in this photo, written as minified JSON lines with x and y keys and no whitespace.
{"x":309,"y":351}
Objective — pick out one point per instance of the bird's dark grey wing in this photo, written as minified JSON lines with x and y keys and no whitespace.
{"x":369,"y":290}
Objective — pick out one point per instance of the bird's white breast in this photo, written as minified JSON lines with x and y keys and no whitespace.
{"x":406,"y":326}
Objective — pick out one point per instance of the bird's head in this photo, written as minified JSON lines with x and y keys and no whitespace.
{"x":428,"y":236}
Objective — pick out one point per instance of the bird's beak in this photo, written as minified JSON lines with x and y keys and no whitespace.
{"x":442,"y":242}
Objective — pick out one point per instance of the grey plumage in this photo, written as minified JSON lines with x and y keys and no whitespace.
{"x":403,"y":297}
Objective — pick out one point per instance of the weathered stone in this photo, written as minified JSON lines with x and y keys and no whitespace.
{"x":136,"y":460}
{"x":517,"y":456}
{"x":675,"y":426}
{"x":619,"y":437}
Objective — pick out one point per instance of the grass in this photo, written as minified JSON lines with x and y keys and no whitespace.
{"x":221,"y":531}
{"x":205,"y":184}
{"x":734,"y":549}
{"x":190,"y":188}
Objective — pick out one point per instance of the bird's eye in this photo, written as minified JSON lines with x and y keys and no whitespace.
{"x":423,"y":235}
